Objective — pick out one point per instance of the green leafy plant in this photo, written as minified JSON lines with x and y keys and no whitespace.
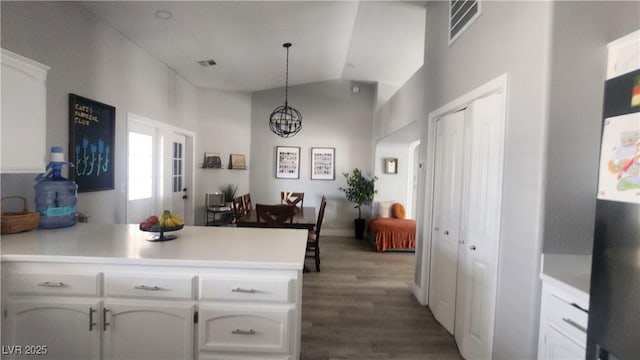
{"x":360,"y":190}
{"x":229,"y":191}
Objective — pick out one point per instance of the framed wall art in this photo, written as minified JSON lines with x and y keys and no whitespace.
{"x":391,"y":166}
{"x":91,"y":143}
{"x":323,"y":163}
{"x":236,"y":161}
{"x":212,"y":161}
{"x":287,"y":162}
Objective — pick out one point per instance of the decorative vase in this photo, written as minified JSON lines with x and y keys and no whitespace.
{"x":359,"y":226}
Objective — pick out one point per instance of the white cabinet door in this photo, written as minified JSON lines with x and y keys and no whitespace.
{"x":24,"y":105}
{"x":69,"y":330}
{"x":142,"y":330}
{"x":558,"y":346}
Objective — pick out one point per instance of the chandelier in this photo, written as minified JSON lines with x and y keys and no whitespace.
{"x":285,"y":121}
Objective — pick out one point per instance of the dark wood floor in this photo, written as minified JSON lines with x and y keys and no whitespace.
{"x":360,"y":306}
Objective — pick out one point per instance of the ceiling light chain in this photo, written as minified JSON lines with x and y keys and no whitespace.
{"x":285,"y":121}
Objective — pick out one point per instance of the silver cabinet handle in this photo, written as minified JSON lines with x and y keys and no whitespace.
{"x":472,"y":247}
{"x":446,"y":232}
{"x":244,"y":332}
{"x":91,"y":322}
{"x":50,"y":284}
{"x":574,"y":324}
{"x":145,"y":287}
{"x":104,"y":319}
{"x":241,"y":290}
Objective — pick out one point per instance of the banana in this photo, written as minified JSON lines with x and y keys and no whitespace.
{"x":169,"y":220}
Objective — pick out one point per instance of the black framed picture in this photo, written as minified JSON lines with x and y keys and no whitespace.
{"x":391,"y":166}
{"x":323,"y":163}
{"x":212,"y":161}
{"x":287,"y":162}
{"x":91,"y":143}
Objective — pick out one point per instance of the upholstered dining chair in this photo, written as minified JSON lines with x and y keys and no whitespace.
{"x":274,"y":215}
{"x":313,"y":240}
{"x":292,"y":198}
{"x":238,"y":207}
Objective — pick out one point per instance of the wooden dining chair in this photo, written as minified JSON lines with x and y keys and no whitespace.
{"x":274,"y":215}
{"x":313,"y":240}
{"x":238,"y":207}
{"x":292,"y":198}
{"x":246,"y":199}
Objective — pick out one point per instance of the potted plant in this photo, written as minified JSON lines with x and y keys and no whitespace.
{"x":360,"y":190}
{"x":229,"y":192}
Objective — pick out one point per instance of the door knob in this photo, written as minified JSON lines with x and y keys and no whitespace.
{"x":446,"y":232}
{"x":472,"y":247}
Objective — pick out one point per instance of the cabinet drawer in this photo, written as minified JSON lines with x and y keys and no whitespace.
{"x":148,"y":286}
{"x":259,"y":329}
{"x":53,"y":284}
{"x":568,"y":319}
{"x":269,"y":289}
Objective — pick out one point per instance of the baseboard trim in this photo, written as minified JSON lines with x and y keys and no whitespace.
{"x":338,"y":232}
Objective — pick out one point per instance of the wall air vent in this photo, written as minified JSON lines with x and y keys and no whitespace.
{"x":462,"y":13}
{"x":207,"y":63}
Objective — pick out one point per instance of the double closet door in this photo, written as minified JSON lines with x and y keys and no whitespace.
{"x":466,"y":211}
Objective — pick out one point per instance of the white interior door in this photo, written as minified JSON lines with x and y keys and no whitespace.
{"x":481,"y":227}
{"x":448,"y":172}
{"x":142,"y":162}
{"x":179,"y":176}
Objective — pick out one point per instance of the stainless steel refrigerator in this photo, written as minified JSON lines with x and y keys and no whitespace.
{"x":614,"y":309}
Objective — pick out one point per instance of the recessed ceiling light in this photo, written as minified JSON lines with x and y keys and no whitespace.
{"x":164,"y":14}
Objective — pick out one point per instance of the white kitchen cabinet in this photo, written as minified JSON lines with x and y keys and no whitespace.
{"x":147,"y":330}
{"x":213,"y":293}
{"x":57,"y":328}
{"x":24,"y":107}
{"x":564,"y":307}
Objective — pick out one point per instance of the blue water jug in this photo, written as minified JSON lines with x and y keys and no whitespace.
{"x":56,"y":197}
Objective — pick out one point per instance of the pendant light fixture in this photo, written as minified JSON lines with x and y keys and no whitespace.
{"x":285,"y":121}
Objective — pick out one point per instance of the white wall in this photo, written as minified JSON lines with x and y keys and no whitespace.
{"x":579,"y":61}
{"x":225,"y":128}
{"x":332,"y":116}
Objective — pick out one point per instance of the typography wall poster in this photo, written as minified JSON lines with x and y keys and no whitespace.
{"x":91,"y":143}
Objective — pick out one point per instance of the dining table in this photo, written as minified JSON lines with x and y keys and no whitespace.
{"x":304,"y":218}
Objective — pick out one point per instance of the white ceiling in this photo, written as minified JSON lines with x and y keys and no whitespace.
{"x":369,"y":41}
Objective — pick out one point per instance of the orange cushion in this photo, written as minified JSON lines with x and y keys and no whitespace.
{"x":397,"y":211}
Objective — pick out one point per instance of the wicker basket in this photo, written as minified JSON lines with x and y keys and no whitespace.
{"x":15,"y":222}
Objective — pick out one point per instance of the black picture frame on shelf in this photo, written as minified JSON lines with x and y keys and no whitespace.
{"x":212,"y":161}
{"x":323,"y":163}
{"x":92,"y":138}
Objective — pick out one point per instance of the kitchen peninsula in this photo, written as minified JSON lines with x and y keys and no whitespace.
{"x":97,"y":291}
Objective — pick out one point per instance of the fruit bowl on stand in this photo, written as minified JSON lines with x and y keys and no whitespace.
{"x":158,"y":229}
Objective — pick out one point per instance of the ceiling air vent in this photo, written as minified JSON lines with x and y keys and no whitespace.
{"x":461,"y":14}
{"x":207,"y":63}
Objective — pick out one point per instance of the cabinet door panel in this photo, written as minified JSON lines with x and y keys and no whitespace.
{"x":145,"y":331}
{"x":24,"y":102}
{"x":559,"y":346}
{"x":63,"y":327}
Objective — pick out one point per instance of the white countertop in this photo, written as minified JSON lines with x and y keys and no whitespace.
{"x":573,"y":271}
{"x":126,"y":244}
